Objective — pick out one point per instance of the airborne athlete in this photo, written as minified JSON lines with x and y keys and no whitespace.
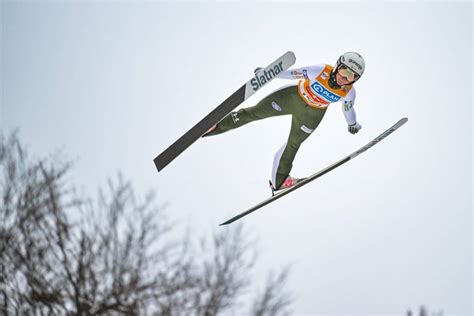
{"x":307,"y":101}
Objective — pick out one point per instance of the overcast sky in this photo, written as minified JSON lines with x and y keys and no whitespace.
{"x":114,"y":84}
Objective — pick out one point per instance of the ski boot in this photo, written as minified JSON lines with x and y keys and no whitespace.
{"x":210,"y":130}
{"x":288,"y":183}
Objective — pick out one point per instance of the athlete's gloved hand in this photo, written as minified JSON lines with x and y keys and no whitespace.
{"x":354,"y":128}
{"x":257,"y":70}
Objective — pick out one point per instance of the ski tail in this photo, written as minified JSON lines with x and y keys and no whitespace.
{"x":261,"y":78}
{"x":173,"y":151}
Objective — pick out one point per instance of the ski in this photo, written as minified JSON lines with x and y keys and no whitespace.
{"x":261,"y":78}
{"x":307,"y":180}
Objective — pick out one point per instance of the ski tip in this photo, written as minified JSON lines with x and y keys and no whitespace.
{"x":402,"y":121}
{"x":291,"y":56}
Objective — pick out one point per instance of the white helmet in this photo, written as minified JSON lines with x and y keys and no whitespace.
{"x":353,"y":61}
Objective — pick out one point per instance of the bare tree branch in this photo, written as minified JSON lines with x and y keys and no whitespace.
{"x":274,"y":301}
{"x":64,"y":254}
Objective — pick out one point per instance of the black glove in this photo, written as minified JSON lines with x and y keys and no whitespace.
{"x":354,"y":128}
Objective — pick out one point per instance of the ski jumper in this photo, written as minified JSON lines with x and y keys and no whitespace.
{"x":306,"y":102}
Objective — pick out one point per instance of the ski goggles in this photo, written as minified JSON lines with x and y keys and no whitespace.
{"x":348,"y":73}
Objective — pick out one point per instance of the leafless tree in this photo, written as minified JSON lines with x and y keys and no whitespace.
{"x":274,"y":299}
{"x":63,"y":254}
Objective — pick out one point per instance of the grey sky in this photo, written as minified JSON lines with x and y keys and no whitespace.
{"x":115,"y":83}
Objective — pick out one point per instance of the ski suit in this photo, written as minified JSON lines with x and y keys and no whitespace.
{"x":306,"y":101}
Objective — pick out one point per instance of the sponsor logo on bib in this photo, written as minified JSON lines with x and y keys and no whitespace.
{"x":325,"y":93}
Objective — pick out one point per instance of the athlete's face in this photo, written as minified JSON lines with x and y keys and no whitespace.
{"x":341,"y":80}
{"x":345,"y":76}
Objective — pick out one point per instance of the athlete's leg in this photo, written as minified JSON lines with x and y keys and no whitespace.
{"x":276,"y":104}
{"x":303,"y":123}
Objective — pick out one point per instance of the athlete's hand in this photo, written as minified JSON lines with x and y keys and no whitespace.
{"x":354,"y":128}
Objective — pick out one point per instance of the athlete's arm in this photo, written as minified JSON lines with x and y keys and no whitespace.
{"x":302,"y":73}
{"x":349,"y":112}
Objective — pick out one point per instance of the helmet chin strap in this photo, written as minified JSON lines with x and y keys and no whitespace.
{"x":333,"y":81}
